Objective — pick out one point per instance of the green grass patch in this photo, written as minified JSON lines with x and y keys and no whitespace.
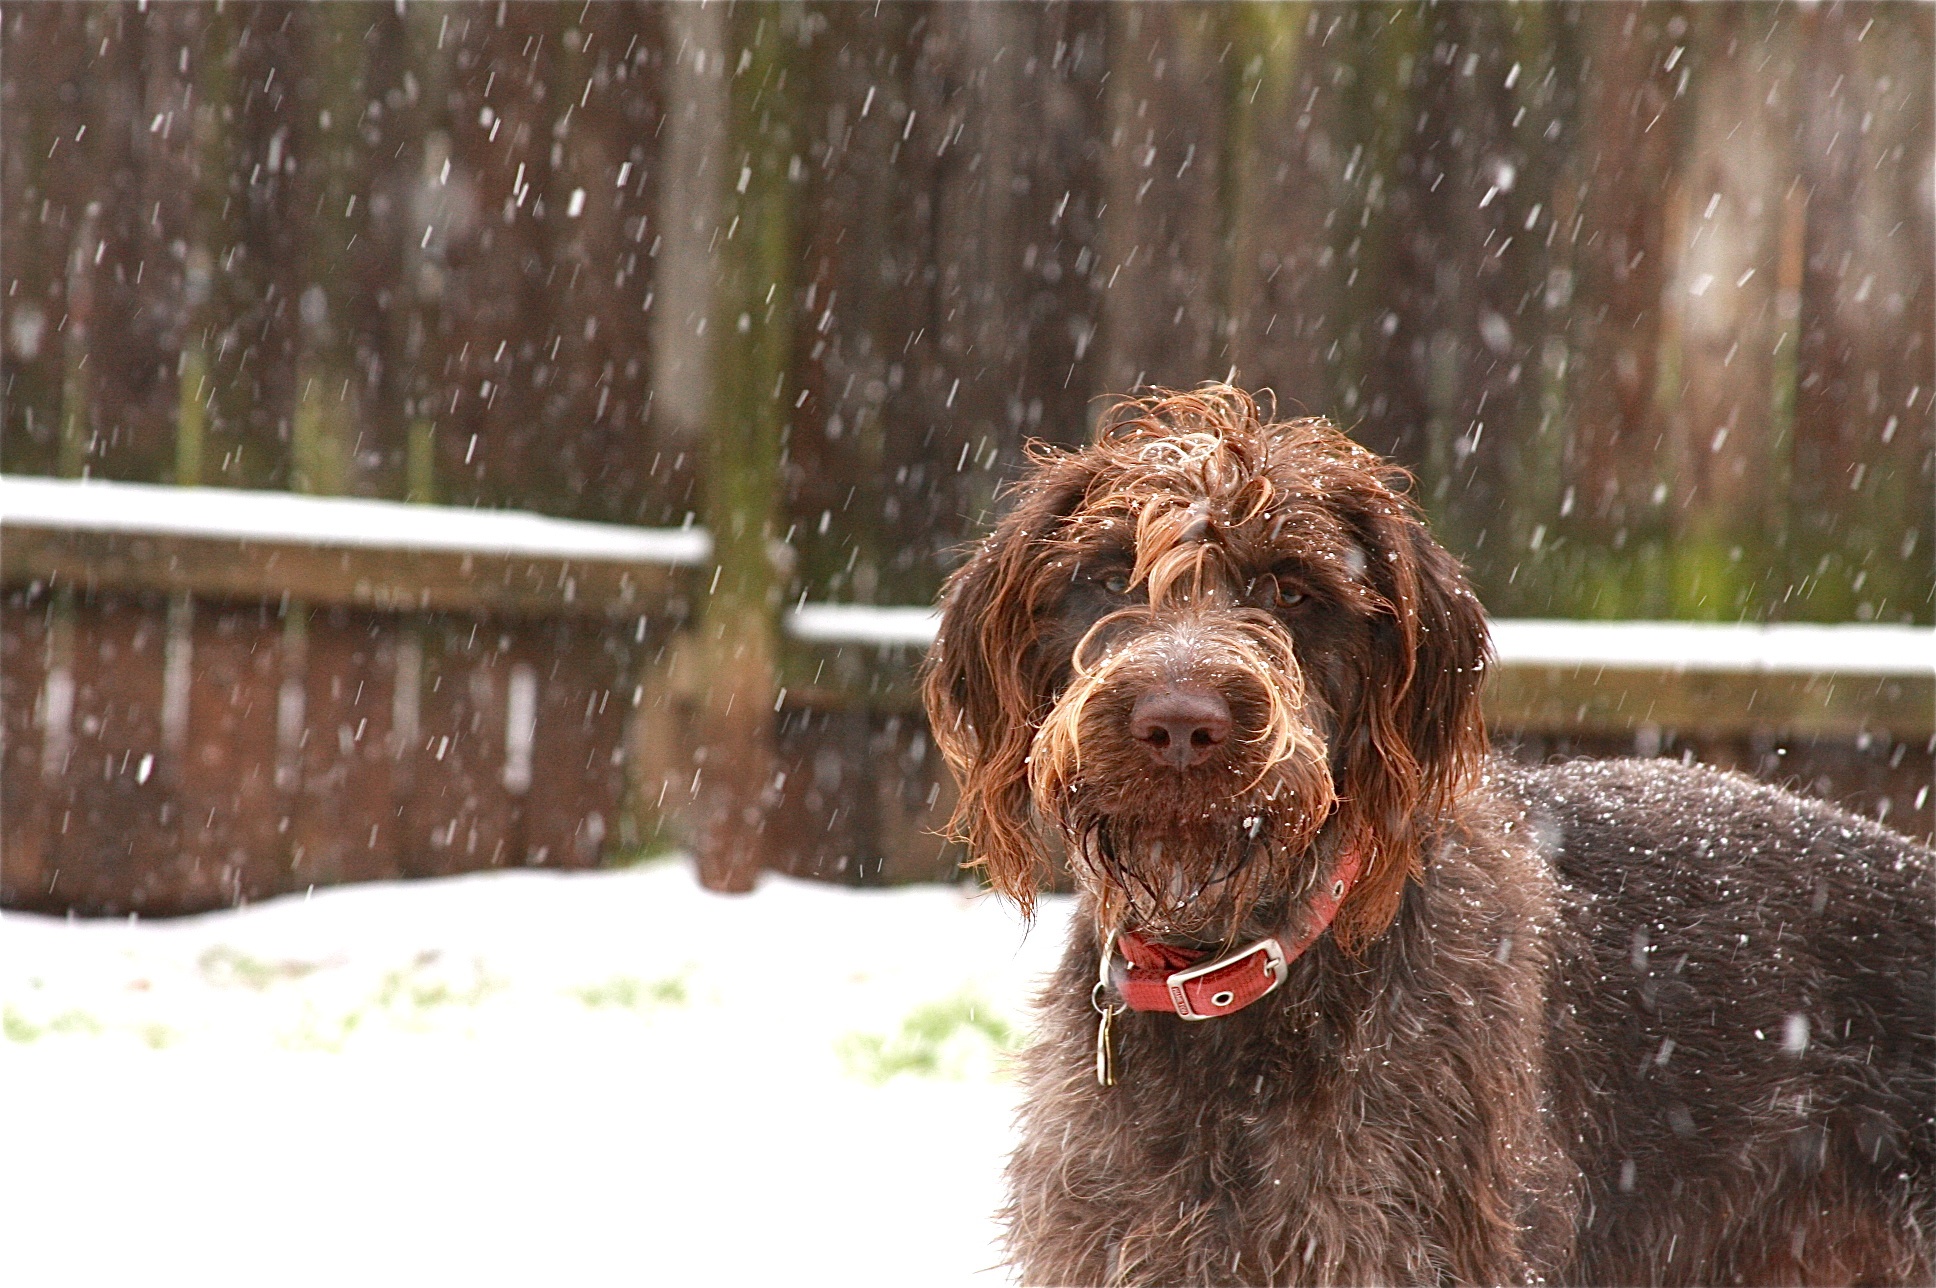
{"x":413,"y":988}
{"x":406,"y":1000}
{"x":656,"y":850}
{"x":946,"y":1038}
{"x":17,"y":1027}
{"x":318,"y":1033}
{"x":635,"y":994}
{"x":230,"y":966}
{"x":74,"y":1022}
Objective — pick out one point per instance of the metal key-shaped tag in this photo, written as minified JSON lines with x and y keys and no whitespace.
{"x":1105,"y":1053}
{"x":1105,"y":1056}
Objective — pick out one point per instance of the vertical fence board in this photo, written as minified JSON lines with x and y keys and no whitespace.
{"x":572,"y":806}
{"x":25,"y":837}
{"x":231,"y":834}
{"x":342,"y":817}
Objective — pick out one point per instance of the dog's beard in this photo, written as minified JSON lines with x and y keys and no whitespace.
{"x":1205,"y":853}
{"x":1206,"y":880}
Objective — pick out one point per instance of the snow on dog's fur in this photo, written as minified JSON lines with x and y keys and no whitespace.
{"x":1595,"y":1023}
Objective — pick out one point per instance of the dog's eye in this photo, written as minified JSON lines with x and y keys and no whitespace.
{"x":1274,"y":591}
{"x":1116,"y":583}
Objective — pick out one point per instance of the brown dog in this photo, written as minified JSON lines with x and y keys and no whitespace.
{"x":1350,"y":1002}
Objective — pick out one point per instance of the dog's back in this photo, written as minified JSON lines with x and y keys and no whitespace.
{"x":1745,"y":1029}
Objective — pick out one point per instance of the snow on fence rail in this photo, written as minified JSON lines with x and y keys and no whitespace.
{"x":380,"y":554}
{"x":1781,"y":648}
{"x":217,"y":513}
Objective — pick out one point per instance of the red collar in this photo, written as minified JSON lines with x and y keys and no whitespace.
{"x":1163,"y":977}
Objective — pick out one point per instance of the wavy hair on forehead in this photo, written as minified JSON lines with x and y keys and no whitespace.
{"x":1175,"y":465}
{"x":1217,"y":445}
{"x":1213,"y":443}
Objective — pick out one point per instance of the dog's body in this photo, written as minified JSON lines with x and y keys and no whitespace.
{"x":1613,"y":1023}
{"x":1621,"y":1033}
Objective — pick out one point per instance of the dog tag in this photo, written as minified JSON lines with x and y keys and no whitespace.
{"x":1105,"y":1053}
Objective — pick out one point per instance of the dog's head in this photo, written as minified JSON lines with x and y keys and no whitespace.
{"x":1199,"y":656}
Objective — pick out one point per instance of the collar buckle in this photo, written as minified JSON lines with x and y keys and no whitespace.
{"x":1231,"y":984}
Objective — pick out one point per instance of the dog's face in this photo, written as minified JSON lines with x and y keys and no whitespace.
{"x":1201,"y":656}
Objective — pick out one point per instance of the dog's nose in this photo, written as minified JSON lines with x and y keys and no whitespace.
{"x":1180,"y":724}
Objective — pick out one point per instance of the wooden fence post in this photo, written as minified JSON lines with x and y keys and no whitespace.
{"x":737,"y":637}
{"x":659,"y":751}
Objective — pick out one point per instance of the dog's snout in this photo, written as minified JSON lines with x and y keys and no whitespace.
{"x":1180,"y":725}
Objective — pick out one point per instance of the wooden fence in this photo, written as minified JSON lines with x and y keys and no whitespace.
{"x":1641,"y":292}
{"x":210,"y":699}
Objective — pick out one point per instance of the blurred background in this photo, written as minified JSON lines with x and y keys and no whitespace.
{"x":496,"y":441}
{"x":1642,"y":293}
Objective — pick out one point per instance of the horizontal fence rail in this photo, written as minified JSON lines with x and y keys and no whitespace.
{"x":1784,"y":648}
{"x":288,"y":518}
{"x":379,"y":554}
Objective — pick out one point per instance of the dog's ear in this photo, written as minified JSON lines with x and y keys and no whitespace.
{"x":1417,"y":733}
{"x":982,"y":679}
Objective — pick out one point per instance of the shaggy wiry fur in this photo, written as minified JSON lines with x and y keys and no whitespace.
{"x":1599,"y":1023}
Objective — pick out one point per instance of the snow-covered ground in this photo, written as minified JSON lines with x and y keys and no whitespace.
{"x":516,"y":1078}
